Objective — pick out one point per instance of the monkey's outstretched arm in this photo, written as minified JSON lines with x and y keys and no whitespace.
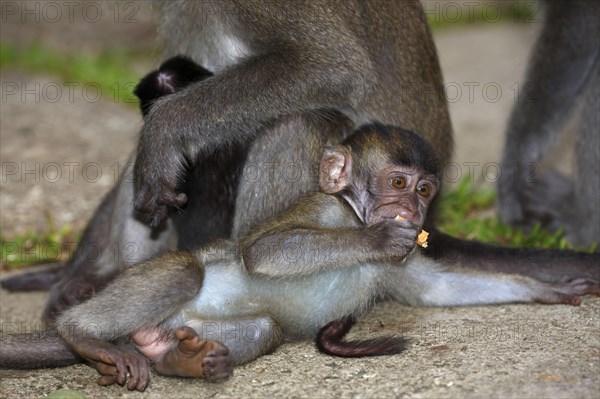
{"x":231,"y":107}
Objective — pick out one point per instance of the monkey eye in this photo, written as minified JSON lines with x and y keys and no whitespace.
{"x":424,"y":190}
{"x":398,"y":182}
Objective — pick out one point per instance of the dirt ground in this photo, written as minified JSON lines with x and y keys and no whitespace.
{"x":60,"y":157}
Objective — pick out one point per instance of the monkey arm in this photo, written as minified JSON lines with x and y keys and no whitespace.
{"x":317,"y":232}
{"x":306,"y":251}
{"x":321,"y":232}
{"x":231,"y":107}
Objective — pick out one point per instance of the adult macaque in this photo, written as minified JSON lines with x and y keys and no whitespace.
{"x":279,"y":69}
{"x":85,"y":275}
{"x":331,"y":256}
{"x":562,"y":86}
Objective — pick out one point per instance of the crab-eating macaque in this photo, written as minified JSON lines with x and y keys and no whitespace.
{"x":87,"y":272}
{"x":279,"y":69}
{"x":308,"y":272}
{"x":562,"y":92}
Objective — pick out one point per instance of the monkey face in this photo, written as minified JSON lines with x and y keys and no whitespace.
{"x":400,"y":190}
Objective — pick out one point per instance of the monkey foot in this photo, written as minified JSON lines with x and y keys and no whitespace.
{"x":570,"y":293}
{"x":195,"y":357}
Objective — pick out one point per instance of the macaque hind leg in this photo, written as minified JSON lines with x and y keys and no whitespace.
{"x":195,"y":357}
{"x":247,"y":338}
{"x":464,"y":288}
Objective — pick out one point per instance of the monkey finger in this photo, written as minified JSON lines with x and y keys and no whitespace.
{"x":134,"y":379}
{"x":139,"y":373}
{"x":144,"y":201}
{"x":121,"y":371}
{"x":105,"y":369}
{"x":172,"y":199}
{"x":107,"y":380}
{"x":143,"y":376}
{"x":134,"y":368}
{"x":158,"y":215}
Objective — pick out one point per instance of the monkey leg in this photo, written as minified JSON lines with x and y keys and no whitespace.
{"x":585,"y":226}
{"x":462,"y":287}
{"x":115,"y":238}
{"x":554,"y":92}
{"x":195,"y":357}
{"x":142,"y":297}
{"x":246,"y":338}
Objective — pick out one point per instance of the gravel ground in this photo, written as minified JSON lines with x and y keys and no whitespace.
{"x":525,"y":351}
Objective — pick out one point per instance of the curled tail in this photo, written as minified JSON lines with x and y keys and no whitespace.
{"x":330,"y":341}
{"x":35,"y":350}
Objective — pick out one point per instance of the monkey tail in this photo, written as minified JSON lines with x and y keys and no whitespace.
{"x":35,"y":350}
{"x":330,"y":341}
{"x":38,"y":280}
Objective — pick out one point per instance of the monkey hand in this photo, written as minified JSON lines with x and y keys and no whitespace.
{"x":157,"y":172}
{"x":393,"y":239}
{"x":123,"y":367}
{"x":116,"y":364}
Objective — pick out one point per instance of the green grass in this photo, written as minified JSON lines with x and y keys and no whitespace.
{"x":468,"y":212}
{"x":107,"y":71}
{"x":448,"y":14}
{"x":35,"y":247}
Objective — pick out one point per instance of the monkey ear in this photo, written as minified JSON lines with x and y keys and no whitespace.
{"x":334,"y":173}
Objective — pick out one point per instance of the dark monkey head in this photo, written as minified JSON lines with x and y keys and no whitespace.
{"x":172,"y":75}
{"x":382,"y":171}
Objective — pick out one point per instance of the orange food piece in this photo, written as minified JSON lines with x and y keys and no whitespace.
{"x":422,"y":238}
